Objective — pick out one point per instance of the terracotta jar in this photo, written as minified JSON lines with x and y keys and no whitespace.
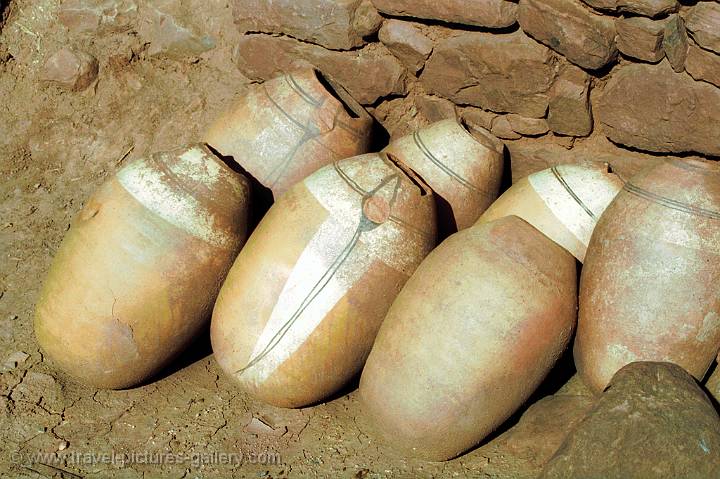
{"x":298,"y":313}
{"x":462,"y":165}
{"x":136,"y":276}
{"x":473,"y":333}
{"x":563,"y":202}
{"x":288,"y":127}
{"x":649,"y":288}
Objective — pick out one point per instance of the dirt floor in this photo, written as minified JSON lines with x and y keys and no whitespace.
{"x":56,"y":147}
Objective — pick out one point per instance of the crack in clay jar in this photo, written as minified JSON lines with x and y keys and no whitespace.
{"x":141,"y":266}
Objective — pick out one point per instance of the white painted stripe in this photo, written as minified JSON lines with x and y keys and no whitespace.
{"x":308,"y":276}
{"x":151,"y":187}
{"x":593,"y":187}
{"x":286,"y":331}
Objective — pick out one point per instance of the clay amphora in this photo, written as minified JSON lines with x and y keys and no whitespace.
{"x":137,"y":274}
{"x":463,"y":165}
{"x":287,"y":128}
{"x":473,"y":333}
{"x":650,"y":286}
{"x":299,"y":311}
{"x":563,"y":202}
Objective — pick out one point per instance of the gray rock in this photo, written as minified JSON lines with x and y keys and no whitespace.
{"x":582,"y":36}
{"x":640,"y":38}
{"x":569,"y":112}
{"x":652,"y":108}
{"x":15,"y":359}
{"x":503,"y":73}
{"x":703,"y":23}
{"x":675,"y":42}
{"x":406,"y":42}
{"x":71,"y":70}
{"x":653,"y":421}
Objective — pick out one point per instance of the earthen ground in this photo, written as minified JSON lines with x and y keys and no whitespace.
{"x":56,"y":147}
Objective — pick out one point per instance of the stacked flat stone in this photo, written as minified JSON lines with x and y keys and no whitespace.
{"x":638,"y":77}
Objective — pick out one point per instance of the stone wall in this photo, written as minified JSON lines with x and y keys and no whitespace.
{"x":622,"y":81}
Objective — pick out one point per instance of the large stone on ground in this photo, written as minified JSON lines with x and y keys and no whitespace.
{"x":640,"y":38}
{"x":503,"y":73}
{"x":675,"y":42}
{"x":335,"y":24}
{"x":71,"y":70}
{"x":703,"y":23}
{"x":569,"y":112}
{"x":368,"y":73}
{"x":545,"y":425}
{"x":703,"y":65}
{"x":652,"y":108}
{"x":406,"y":42}
{"x":653,"y":421}
{"x":483,"y":13}
{"x":582,"y":36}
